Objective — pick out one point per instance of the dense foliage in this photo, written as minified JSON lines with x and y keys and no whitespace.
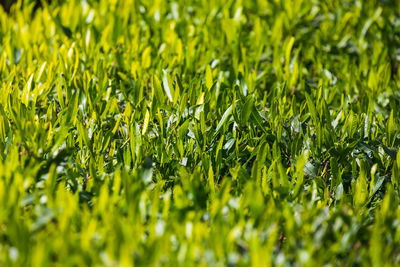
{"x":220,"y":132}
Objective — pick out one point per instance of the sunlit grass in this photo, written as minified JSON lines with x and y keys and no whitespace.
{"x":214,"y":133}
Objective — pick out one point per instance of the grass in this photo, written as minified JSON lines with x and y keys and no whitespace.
{"x":214,"y":133}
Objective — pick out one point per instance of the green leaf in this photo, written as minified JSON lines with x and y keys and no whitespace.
{"x":167,"y":87}
{"x":311,"y":108}
{"x":224,"y":118}
{"x":209,"y":78}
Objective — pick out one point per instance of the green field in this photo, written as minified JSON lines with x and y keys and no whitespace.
{"x":200,"y":133}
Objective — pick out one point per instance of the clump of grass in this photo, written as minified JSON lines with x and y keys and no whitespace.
{"x":200,"y":133}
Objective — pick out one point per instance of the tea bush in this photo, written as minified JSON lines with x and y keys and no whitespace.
{"x":214,"y":133}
